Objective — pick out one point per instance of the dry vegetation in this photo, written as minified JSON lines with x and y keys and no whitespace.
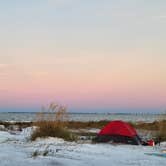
{"x":52,"y":122}
{"x":158,"y":128}
{"x":162,"y":131}
{"x":88,"y":125}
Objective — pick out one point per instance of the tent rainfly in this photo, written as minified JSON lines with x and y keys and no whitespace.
{"x":118,"y":132}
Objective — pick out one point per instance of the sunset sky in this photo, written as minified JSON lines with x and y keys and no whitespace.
{"x":90,"y":55}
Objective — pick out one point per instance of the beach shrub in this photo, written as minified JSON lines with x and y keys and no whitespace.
{"x":158,"y":129}
{"x":89,"y":124}
{"x":52,"y":122}
{"x":162,"y":127}
{"x":162,"y":130}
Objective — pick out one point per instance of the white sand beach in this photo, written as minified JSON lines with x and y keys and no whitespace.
{"x":17,"y":150}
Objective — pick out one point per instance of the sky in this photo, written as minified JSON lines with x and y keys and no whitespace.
{"x":89,"y":55}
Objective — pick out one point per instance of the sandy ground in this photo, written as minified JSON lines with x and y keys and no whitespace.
{"x":17,"y":150}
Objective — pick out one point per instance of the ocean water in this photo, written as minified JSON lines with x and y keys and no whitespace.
{"x":27,"y":117}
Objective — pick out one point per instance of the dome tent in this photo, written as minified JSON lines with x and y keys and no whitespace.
{"x":118,"y":132}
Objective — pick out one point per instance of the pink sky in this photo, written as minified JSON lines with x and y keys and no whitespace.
{"x":88,"y":55}
{"x":90,"y":81}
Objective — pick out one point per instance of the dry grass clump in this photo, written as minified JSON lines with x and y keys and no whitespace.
{"x":162,"y":127}
{"x":52,"y":122}
{"x":147,"y":126}
{"x":158,"y":128}
{"x":162,"y":130}
{"x":89,"y":124}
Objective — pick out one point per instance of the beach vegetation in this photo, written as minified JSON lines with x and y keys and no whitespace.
{"x":52,"y":122}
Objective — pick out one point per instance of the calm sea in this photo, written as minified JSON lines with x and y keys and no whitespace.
{"x":82,"y":117}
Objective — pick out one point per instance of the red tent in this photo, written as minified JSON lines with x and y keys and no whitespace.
{"x":118,"y":128}
{"x":119,"y":131}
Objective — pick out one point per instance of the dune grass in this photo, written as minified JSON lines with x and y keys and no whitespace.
{"x":162,"y":131}
{"x":52,"y":122}
{"x":158,"y":128}
{"x":89,"y":124}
